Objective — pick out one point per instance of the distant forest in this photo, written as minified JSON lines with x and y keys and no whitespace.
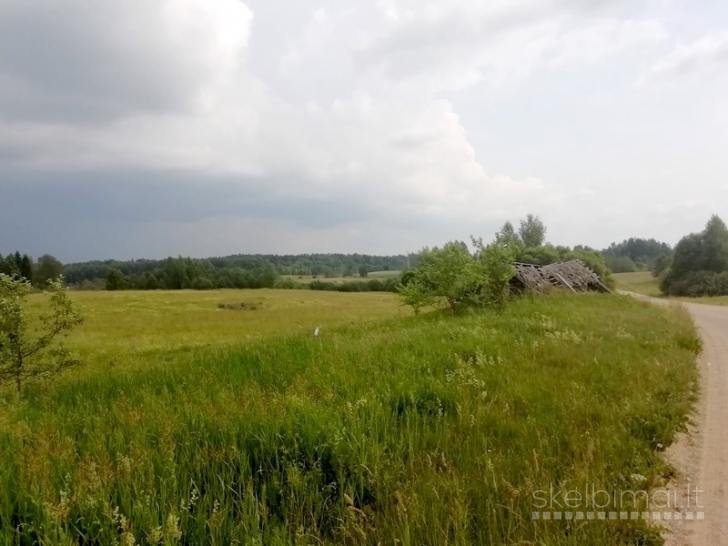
{"x":239,"y":271}
{"x":274,"y":271}
{"x":637,"y":255}
{"x":697,"y":266}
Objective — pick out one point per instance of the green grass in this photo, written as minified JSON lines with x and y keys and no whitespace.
{"x":138,"y":328}
{"x":381,"y":275}
{"x":642,"y":282}
{"x":411,"y":430}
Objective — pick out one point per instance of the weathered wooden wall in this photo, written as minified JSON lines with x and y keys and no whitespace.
{"x":572,"y":275}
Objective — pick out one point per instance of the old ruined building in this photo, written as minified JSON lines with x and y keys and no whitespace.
{"x":572,"y":275}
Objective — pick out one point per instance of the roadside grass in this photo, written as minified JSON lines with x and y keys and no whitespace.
{"x":642,"y":282}
{"x":136,"y":328}
{"x":433,"y":429}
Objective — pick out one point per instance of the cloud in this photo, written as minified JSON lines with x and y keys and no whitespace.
{"x":396,"y":149}
{"x":341,"y":116}
{"x":700,"y":205}
{"x":454,"y":44}
{"x":708,"y":56}
{"x":603,"y":40}
{"x":75,"y":61}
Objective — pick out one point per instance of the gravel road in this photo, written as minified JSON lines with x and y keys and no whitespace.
{"x":701,"y":455}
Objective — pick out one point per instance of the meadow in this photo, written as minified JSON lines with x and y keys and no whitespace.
{"x":372,"y":275}
{"x":642,"y":282}
{"x":136,"y":328}
{"x":188,"y":424}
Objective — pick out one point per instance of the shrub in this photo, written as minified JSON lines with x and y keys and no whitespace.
{"x":33,"y":350}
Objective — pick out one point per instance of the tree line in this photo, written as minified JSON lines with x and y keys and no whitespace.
{"x":269,"y":271}
{"x":39,"y":273}
{"x":182,"y":274}
{"x":238,"y":271}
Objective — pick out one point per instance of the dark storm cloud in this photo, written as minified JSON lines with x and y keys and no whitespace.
{"x":138,"y":197}
{"x":99,"y":215}
{"x":70,"y":61}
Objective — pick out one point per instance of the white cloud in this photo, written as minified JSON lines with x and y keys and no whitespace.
{"x":664,"y":209}
{"x":708,"y":55}
{"x":454,"y":44}
{"x":602,"y":40}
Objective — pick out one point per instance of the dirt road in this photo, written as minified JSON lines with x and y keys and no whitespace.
{"x":701,"y":455}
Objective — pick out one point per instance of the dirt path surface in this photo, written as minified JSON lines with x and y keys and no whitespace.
{"x":701,"y":455}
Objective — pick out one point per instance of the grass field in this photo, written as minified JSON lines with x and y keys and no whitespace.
{"x":642,"y":282}
{"x":129,"y":327}
{"x":240,"y":427}
{"x":381,"y":275}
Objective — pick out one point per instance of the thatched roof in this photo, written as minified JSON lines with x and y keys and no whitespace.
{"x":572,"y":275}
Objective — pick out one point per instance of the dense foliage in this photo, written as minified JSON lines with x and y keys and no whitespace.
{"x":532,"y":248}
{"x":459,"y":279}
{"x":178,"y":274}
{"x":700,"y":263}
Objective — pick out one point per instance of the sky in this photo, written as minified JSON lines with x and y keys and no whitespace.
{"x":149,"y":128}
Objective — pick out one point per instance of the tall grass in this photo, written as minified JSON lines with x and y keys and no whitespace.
{"x":418,"y":430}
{"x":138,"y":328}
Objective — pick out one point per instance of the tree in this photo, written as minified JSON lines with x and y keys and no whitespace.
{"x":449,"y":274}
{"x":9,"y":266}
{"x":507,"y":235}
{"x":620,"y":264}
{"x":363,"y":271}
{"x":33,"y":350}
{"x":532,"y":231}
{"x":452,"y":275}
{"x":641,"y":251}
{"x":267,"y":276}
{"x":495,"y":270}
{"x":539,"y":255}
{"x":26,"y":268}
{"x":715,"y":246}
{"x":699,"y":263}
{"x":47,"y":269}
{"x":660,"y":264}
{"x":115,"y":280}
{"x":416,"y":294}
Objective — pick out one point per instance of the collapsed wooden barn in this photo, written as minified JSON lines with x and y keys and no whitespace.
{"x":573,"y":275}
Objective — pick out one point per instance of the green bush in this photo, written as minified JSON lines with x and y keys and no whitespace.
{"x":695,"y":284}
{"x":700,"y":263}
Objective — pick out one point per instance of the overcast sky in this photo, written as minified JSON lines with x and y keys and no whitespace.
{"x":148,"y":128}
